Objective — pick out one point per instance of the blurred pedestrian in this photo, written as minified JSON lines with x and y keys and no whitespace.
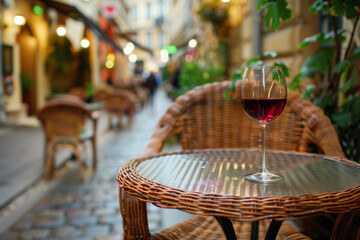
{"x":151,"y":84}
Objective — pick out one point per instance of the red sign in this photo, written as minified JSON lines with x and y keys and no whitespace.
{"x":110,"y":9}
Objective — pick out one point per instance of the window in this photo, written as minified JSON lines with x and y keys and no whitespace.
{"x":134,"y":38}
{"x":134,"y":13}
{"x":161,"y":9}
{"x":161,"y":40}
{"x":148,"y":40}
{"x":148,"y":10}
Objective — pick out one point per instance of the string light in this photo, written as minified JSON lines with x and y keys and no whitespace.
{"x":61,"y":31}
{"x":85,"y":43}
{"x":132,"y":58}
{"x":192,"y":43}
{"x":19,"y":20}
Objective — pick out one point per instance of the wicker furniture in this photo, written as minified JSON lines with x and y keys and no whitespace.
{"x":119,"y":104}
{"x":203,"y":119}
{"x":79,"y":92}
{"x":63,"y":119}
{"x":211,"y":183}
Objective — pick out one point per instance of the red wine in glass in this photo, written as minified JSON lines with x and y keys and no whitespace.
{"x":263,"y":97}
{"x":263,"y":109}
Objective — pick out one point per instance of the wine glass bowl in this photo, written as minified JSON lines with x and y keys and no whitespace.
{"x":263,"y":97}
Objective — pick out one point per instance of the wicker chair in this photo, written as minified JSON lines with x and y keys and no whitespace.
{"x":203,"y":118}
{"x":63,"y":119}
{"x":120,"y":103}
{"x":79,"y":92}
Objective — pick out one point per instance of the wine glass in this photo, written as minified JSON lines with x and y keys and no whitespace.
{"x":263,"y":96}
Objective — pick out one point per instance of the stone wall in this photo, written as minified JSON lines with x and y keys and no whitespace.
{"x":284,"y":41}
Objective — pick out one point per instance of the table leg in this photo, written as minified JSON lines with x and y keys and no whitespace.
{"x":273,"y":230}
{"x":227,"y":227}
{"x":255,"y":230}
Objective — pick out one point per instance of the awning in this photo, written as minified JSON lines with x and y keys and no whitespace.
{"x":125,"y":35}
{"x":136,"y":44}
{"x":74,"y":13}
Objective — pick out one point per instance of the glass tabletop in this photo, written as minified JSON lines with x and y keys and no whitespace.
{"x":222,"y":172}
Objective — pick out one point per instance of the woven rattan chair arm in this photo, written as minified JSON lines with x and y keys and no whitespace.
{"x":323,"y":133}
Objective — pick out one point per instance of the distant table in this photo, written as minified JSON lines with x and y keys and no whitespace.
{"x":212,"y":182}
{"x":97,"y":106}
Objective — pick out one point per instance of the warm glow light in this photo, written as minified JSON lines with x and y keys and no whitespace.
{"x":61,"y":31}
{"x":110,"y":57}
{"x":164,"y":52}
{"x":164,"y":59}
{"x":225,"y":1}
{"x":152,"y":67}
{"x":192,"y":43}
{"x":129,"y":48}
{"x":188,"y":58}
{"x":85,"y":43}
{"x":164,"y":56}
{"x":130,"y":45}
{"x":19,"y":20}
{"x":109,"y":64}
{"x":132,"y":58}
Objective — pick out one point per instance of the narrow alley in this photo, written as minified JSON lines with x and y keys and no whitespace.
{"x":81,"y":210}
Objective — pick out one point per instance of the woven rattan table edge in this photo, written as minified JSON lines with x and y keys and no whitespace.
{"x":293,"y":207}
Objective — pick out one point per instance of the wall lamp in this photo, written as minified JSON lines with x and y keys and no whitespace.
{"x":61,"y":31}
{"x":19,"y":20}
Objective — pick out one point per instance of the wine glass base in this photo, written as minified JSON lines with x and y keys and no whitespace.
{"x":263,"y":177}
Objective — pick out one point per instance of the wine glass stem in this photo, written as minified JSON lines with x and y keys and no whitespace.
{"x":263,"y":145}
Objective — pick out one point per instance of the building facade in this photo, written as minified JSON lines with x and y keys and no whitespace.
{"x":32,"y":72}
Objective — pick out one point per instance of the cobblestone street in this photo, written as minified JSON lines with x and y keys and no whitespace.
{"x":89,"y":210}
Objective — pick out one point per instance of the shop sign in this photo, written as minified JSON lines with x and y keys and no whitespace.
{"x":110,"y":9}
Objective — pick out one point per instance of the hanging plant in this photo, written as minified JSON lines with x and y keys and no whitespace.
{"x":217,"y":14}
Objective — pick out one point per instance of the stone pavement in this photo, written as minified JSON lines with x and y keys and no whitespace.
{"x":89,"y":210}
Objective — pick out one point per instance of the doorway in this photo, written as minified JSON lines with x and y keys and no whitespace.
{"x":28,"y":48}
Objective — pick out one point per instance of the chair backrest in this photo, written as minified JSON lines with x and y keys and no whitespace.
{"x":120,"y":100}
{"x":102,"y":93}
{"x":204,"y":118}
{"x":63,"y":117}
{"x":79,"y":92}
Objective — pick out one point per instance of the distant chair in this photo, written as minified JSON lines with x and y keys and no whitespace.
{"x":140,"y":93}
{"x":63,"y":119}
{"x":118,"y":104}
{"x":79,"y":92}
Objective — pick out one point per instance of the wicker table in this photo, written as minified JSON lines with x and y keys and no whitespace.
{"x":211,"y":182}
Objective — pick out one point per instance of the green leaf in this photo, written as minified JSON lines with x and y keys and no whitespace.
{"x":283,"y":67}
{"x":261,"y":5}
{"x":330,"y":36}
{"x":345,"y":7}
{"x":317,"y":62}
{"x":270,"y":54}
{"x":324,"y":100}
{"x":295,"y":82}
{"x":342,"y":66}
{"x":254,"y":59}
{"x":318,"y":6}
{"x":237,"y":75}
{"x":348,"y":83}
{"x":322,"y":38}
{"x":310,"y":89}
{"x":275,"y":11}
{"x":319,"y":37}
{"x":343,"y":119}
{"x":356,"y":53}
